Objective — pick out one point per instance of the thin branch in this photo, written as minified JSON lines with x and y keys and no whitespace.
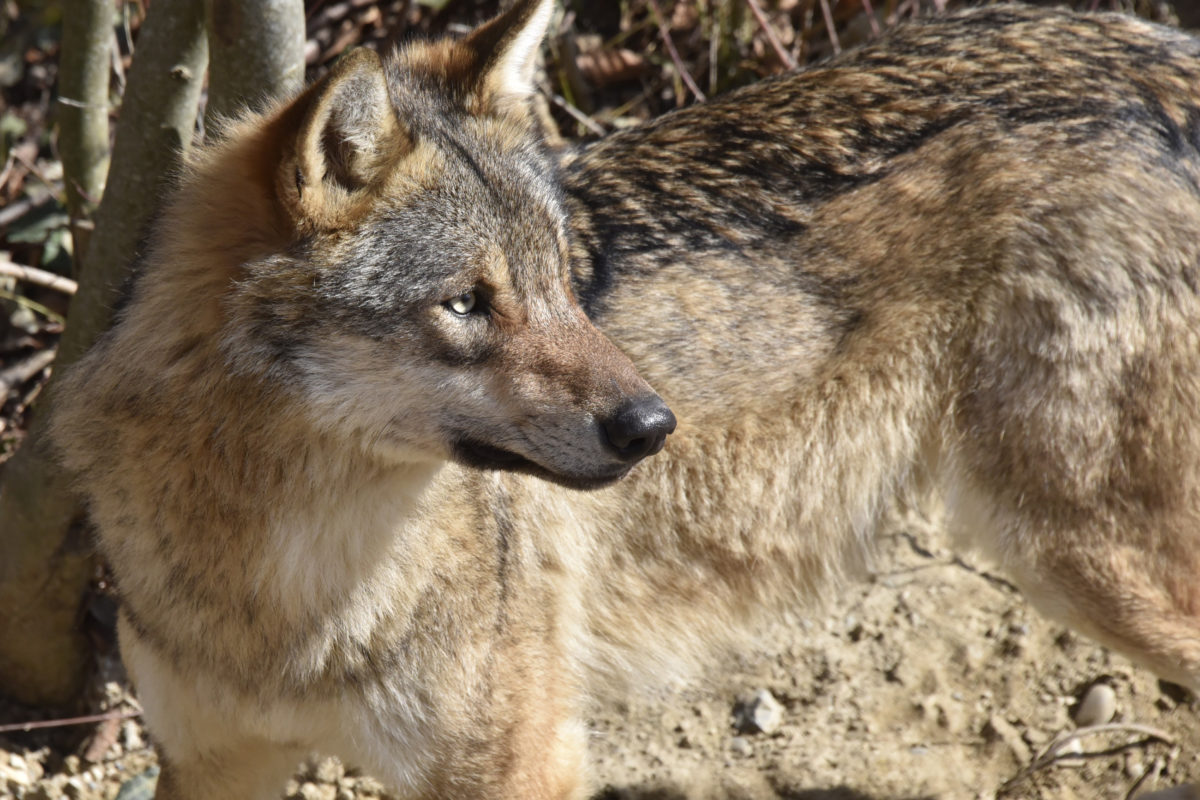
{"x":37,"y":276}
{"x":684,"y":75}
{"x":19,"y":208}
{"x":62,"y":723}
{"x":14,"y":376}
{"x":1153,"y":768}
{"x":780,"y":51}
{"x":33,"y":305}
{"x":867,"y":7}
{"x":580,"y":117}
{"x":1054,"y":751}
{"x":833,"y":37}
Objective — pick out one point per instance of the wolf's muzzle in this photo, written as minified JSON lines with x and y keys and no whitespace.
{"x":639,"y":428}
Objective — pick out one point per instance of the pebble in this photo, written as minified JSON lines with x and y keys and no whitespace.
{"x":1097,"y":706}
{"x":313,"y":791}
{"x":74,"y":788}
{"x":15,"y":775}
{"x":140,"y":787}
{"x":132,"y":735}
{"x":328,"y":770}
{"x":763,"y":713}
{"x":741,"y":746}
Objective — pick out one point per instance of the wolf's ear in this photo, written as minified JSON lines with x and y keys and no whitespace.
{"x":505,"y":51}
{"x":347,"y":139}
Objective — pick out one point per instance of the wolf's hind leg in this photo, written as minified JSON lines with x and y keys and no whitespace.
{"x":1134,"y":587}
{"x":1146,"y":604}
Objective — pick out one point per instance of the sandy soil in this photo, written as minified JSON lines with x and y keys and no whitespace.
{"x":933,"y":679}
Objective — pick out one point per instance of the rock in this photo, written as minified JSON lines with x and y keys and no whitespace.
{"x":73,"y":788}
{"x":762,"y":713}
{"x":15,"y":775}
{"x":1065,"y":753}
{"x":132,"y":736}
{"x":328,"y":770}
{"x":45,"y":791}
{"x":1097,"y":706}
{"x":315,"y":791}
{"x":741,"y":746}
{"x":140,"y":787}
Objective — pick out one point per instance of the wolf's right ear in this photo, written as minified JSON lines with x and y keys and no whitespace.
{"x":346,"y":142}
{"x":505,"y":51}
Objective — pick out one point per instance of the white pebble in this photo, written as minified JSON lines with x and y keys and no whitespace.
{"x":764,"y":713}
{"x":1097,"y":706}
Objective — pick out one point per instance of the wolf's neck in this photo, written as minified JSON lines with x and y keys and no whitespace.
{"x":328,"y":536}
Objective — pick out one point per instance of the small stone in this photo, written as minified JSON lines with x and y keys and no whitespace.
{"x":19,"y":774}
{"x":328,"y":770}
{"x":141,"y":787}
{"x":132,"y":736}
{"x":73,"y":788}
{"x":762,"y":713}
{"x":1097,"y":706}
{"x":741,"y":746}
{"x":71,"y":764}
{"x":1065,"y":753}
{"x":369,"y":785}
{"x":314,"y":791}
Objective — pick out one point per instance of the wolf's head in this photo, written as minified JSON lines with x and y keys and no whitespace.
{"x":422,"y":299}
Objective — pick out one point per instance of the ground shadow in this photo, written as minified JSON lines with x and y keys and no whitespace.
{"x":787,"y":793}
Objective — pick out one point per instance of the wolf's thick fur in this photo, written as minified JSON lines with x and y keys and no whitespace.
{"x":966,"y":257}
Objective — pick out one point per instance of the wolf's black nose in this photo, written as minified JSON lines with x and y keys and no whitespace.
{"x":640,"y":428}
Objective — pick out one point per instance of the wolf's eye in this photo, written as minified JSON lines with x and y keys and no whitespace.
{"x":463,"y":304}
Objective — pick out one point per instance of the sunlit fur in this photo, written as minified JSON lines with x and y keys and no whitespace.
{"x":962,"y":260}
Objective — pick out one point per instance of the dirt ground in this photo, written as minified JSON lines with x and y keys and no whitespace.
{"x":932,"y":679}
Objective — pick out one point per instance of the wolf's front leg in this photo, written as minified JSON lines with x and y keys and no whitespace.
{"x":213,"y":743}
{"x":241,"y":770}
{"x":532,"y":760}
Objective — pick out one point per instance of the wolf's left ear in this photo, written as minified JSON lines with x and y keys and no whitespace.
{"x":505,"y":51}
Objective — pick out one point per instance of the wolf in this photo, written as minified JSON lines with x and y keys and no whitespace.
{"x":373,"y":449}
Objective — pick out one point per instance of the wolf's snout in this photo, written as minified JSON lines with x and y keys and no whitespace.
{"x":640,"y":428}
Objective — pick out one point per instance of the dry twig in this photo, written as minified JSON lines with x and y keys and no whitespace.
{"x":830,"y":29}
{"x":684,"y":75}
{"x":37,"y":276}
{"x":14,"y":376}
{"x":1054,"y":752}
{"x":22,"y":727}
{"x":763,"y":23}
{"x":580,"y":117}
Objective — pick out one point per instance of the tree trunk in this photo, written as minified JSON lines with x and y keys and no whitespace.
{"x":83,"y":102}
{"x":256,"y":52}
{"x":45,"y":564}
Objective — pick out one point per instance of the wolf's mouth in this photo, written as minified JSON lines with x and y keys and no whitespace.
{"x":476,"y":454}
